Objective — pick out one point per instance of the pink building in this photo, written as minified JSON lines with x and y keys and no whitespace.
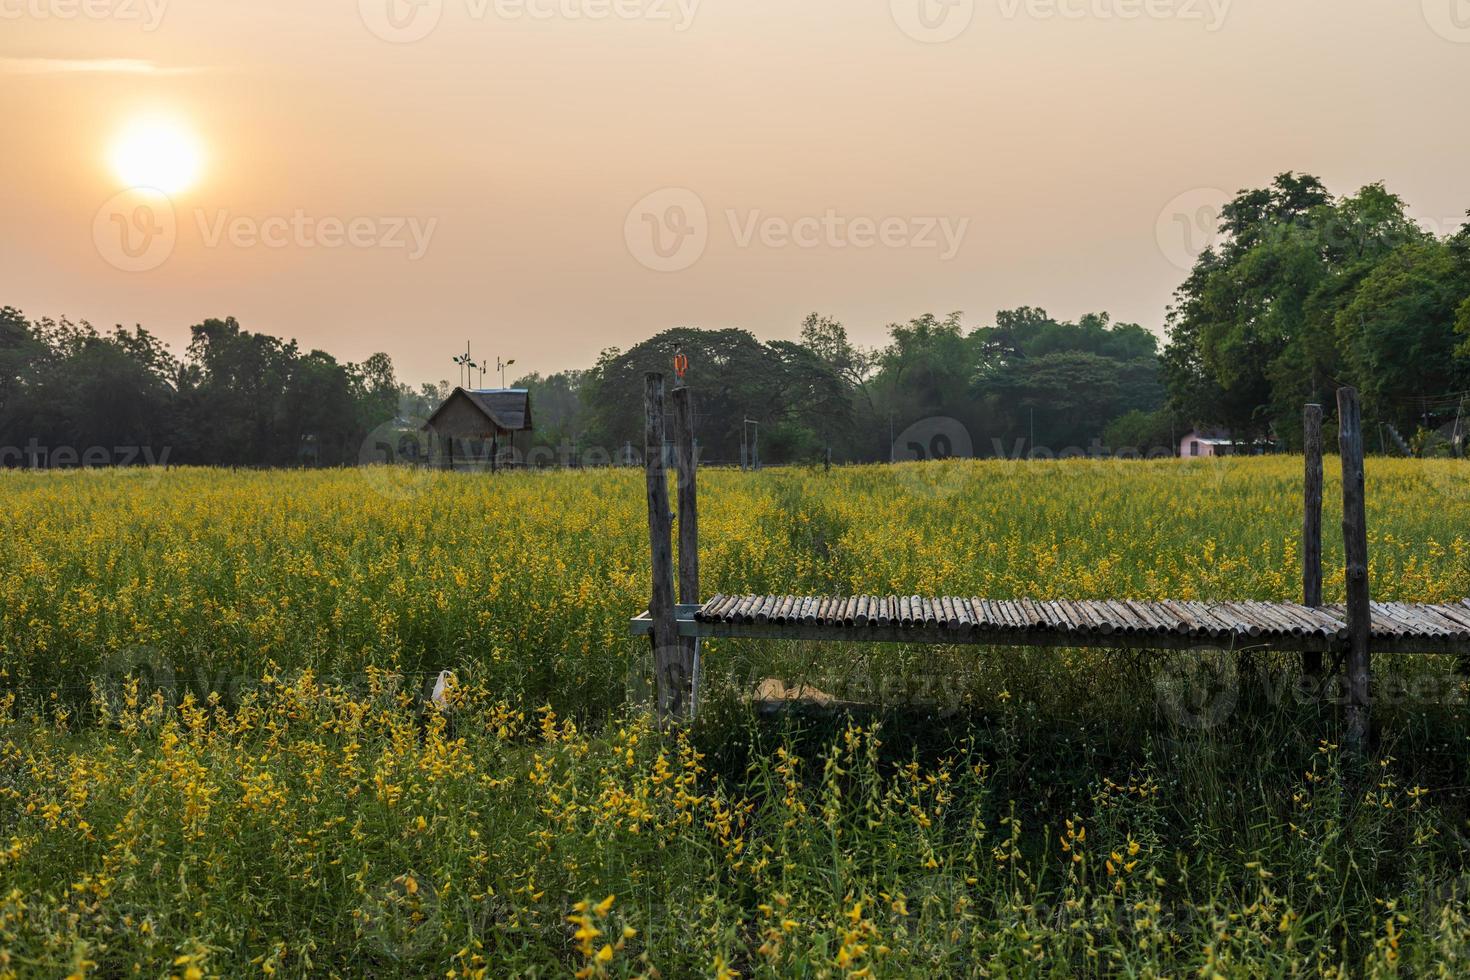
{"x":1206,"y":442}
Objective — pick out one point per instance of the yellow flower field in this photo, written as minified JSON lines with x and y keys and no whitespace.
{"x":533,"y":576}
{"x":216,"y":758}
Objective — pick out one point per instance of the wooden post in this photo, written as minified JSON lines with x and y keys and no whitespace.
{"x":669,"y":680}
{"x":685,"y":464}
{"x":1312,"y":525}
{"x":1355,"y":548}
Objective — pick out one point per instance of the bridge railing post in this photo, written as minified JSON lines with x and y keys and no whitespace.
{"x":685,"y":463}
{"x":670,"y":682}
{"x":1312,"y":525}
{"x":1355,"y":549}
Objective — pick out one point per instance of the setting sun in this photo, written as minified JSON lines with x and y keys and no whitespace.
{"x":158,"y":154}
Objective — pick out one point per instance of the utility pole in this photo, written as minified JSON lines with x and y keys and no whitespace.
{"x":502,"y":365}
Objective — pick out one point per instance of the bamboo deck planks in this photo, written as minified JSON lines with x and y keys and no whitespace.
{"x":1053,"y":620}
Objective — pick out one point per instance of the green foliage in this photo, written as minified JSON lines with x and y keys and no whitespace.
{"x":796,"y":397}
{"x":1307,"y":292}
{"x":1146,"y":432}
{"x":237,"y":398}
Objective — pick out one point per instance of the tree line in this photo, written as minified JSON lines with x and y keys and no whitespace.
{"x":1027,"y":381}
{"x":1301,"y":293}
{"x":240,"y":398}
{"x":72,"y":395}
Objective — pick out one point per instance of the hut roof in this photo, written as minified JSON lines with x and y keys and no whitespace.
{"x":506,"y":408}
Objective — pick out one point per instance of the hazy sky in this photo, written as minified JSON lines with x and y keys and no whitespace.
{"x":547,"y":178}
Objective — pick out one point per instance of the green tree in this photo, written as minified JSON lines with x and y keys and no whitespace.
{"x":1397,"y":333}
{"x":787,"y":389}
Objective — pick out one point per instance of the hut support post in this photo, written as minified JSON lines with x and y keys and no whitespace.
{"x":670,"y":682}
{"x":685,"y":464}
{"x":1312,"y":525}
{"x":1355,"y":547}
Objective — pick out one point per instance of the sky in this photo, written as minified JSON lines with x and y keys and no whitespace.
{"x":545,"y":179}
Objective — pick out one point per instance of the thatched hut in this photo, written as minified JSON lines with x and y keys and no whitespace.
{"x":479,"y":422}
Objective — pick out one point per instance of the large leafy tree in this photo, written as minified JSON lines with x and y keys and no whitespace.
{"x":1258,"y":327}
{"x":1397,"y":332}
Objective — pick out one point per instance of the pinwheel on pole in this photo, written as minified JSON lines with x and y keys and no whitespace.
{"x":466,"y":365}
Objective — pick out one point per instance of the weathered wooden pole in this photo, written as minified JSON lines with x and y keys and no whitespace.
{"x":1355,"y":550}
{"x":669,"y":680}
{"x":685,"y":464}
{"x":1312,"y":525}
